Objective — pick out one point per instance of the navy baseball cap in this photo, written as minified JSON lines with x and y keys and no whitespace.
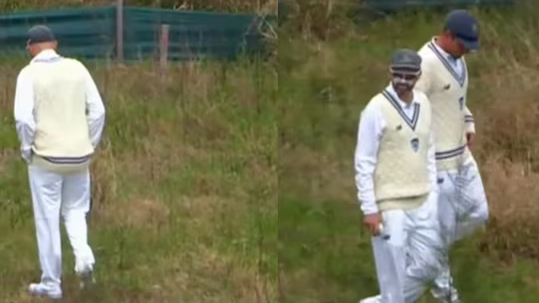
{"x":40,"y":34}
{"x":465,"y":27}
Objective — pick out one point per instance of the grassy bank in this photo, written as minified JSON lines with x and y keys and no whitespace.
{"x":184,"y":188}
{"x":325,"y":254}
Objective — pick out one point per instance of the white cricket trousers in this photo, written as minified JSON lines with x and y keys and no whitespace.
{"x":462,"y":206}
{"x":69,"y":195}
{"x":411,"y":258}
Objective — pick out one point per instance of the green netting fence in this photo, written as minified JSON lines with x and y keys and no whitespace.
{"x":92,"y":32}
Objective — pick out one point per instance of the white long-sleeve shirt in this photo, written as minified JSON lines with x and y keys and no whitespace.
{"x":371,"y":130}
{"x":24,"y":106}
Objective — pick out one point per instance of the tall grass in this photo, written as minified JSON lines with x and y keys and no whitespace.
{"x":184,"y":183}
{"x":184,"y":187}
{"x":325,"y":81}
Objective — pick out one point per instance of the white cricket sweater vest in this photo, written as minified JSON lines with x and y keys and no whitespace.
{"x":60,"y":110}
{"x":401,"y":179}
{"x":447,"y":95}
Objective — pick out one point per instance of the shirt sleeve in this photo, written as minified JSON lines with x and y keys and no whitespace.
{"x":95,"y":110}
{"x":371,"y":128}
{"x":469,"y":121}
{"x":24,"y":113}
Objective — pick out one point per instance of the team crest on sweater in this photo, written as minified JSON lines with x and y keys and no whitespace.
{"x":415,"y":144}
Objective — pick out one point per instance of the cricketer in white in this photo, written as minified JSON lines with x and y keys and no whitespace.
{"x":59,"y":119}
{"x":462,"y":201}
{"x":397,"y":186}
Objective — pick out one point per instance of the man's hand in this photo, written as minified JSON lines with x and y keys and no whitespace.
{"x":372,"y":222}
{"x":470,"y":139}
{"x":26,"y":155}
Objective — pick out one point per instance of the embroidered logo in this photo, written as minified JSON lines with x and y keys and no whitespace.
{"x":399,"y":127}
{"x":447,"y":87}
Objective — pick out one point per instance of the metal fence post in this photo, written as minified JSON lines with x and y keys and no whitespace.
{"x":120,"y":30}
{"x":163,"y":48}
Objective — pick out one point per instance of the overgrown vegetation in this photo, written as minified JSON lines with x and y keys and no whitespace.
{"x":184,"y":182}
{"x":184,"y":188}
{"x":325,"y":79}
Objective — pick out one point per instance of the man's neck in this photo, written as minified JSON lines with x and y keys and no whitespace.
{"x":440,"y":43}
{"x":44,"y":50}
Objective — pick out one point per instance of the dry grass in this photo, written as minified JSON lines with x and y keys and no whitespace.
{"x":508,"y":149}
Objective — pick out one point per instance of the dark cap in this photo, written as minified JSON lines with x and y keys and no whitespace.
{"x":405,"y":61}
{"x":465,"y":28}
{"x":40,"y":34}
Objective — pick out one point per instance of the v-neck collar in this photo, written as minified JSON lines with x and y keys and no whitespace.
{"x":443,"y":56}
{"x":412,"y":123}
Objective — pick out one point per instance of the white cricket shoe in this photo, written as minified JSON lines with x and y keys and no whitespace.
{"x":442,"y":296}
{"x":375,"y":299}
{"x":86,"y":277}
{"x":40,"y":289}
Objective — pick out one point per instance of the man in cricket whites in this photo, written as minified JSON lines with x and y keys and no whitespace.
{"x":462,"y":200}
{"x":59,"y":119}
{"x":397,"y":188}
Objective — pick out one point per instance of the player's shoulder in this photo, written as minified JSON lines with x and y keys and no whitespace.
{"x":426,"y":53}
{"x":429,"y":60}
{"x":421,"y":97}
{"x":376,"y":100}
{"x":73,"y":61}
{"x":25,"y":71}
{"x":75,"y":64}
{"x":374,"y":104}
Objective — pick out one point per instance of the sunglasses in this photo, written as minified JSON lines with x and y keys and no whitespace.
{"x":407,"y":77}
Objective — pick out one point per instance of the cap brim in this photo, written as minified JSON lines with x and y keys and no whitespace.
{"x":470,"y":45}
{"x":405,"y":69}
{"x":38,"y":41}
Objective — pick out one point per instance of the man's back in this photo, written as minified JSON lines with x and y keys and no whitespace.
{"x":60,"y":107}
